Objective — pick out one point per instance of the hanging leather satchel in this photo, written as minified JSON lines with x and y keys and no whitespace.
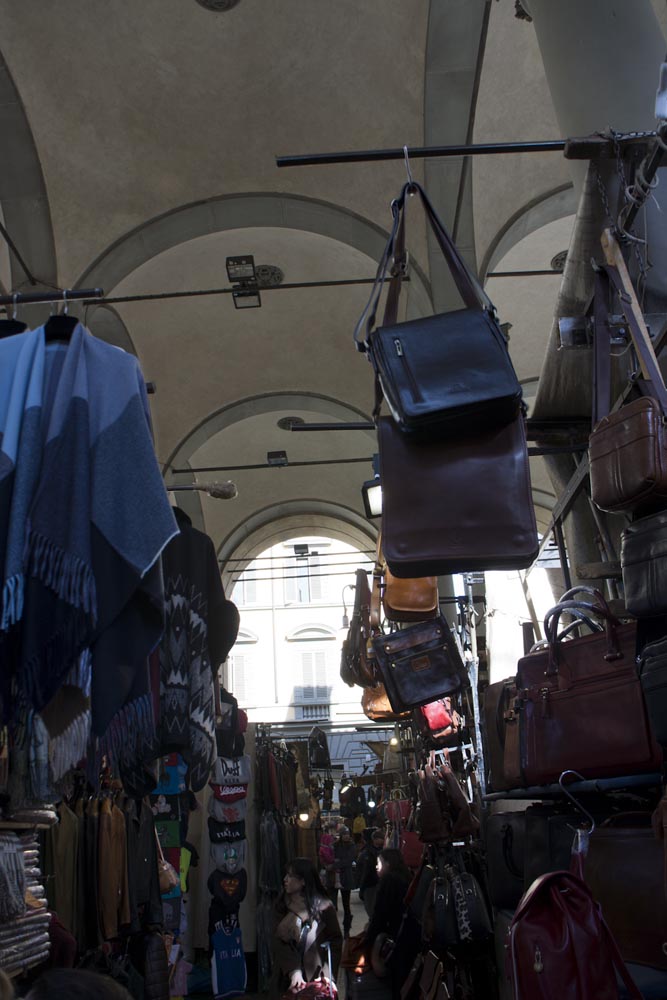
{"x":580,"y":702}
{"x":376,"y":705}
{"x":628,"y":447}
{"x":355,"y":667}
{"x":653,"y":679}
{"x":409,"y":600}
{"x":457,"y":505}
{"x":446,"y":373}
{"x":626,"y":846}
{"x":419,"y":664}
{"x":644,"y":565}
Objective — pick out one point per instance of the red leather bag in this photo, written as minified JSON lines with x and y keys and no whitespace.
{"x":580,"y":701}
{"x":560,"y":946}
{"x":438,"y":722}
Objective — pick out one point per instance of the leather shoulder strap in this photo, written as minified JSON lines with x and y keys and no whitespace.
{"x":375,"y":617}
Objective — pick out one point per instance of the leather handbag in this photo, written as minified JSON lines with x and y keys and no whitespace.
{"x":653,"y":679}
{"x":439,"y":723}
{"x":644,"y":565}
{"x":580,"y":702}
{"x":628,"y":447}
{"x":445,"y":373}
{"x":419,"y":663}
{"x":355,"y":666}
{"x":548,"y":841}
{"x":624,"y":857}
{"x":457,"y":505}
{"x":376,"y":706}
{"x":411,"y":600}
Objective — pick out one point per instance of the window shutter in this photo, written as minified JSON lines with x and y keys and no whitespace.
{"x":316,"y":588}
{"x":320,"y":675}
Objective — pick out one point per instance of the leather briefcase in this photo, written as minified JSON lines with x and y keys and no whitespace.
{"x":548,"y":839}
{"x":456,"y":505}
{"x":653,"y":679}
{"x":419,"y":664}
{"x":581,"y":705}
{"x":644,"y":565}
{"x":443,"y":374}
{"x":624,"y":869}
{"x":502,"y":756}
{"x":628,"y":459}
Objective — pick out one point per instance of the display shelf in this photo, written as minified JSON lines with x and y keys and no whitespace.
{"x":587,"y":785}
{"x":20,"y":824}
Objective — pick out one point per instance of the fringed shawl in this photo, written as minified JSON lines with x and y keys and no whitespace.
{"x":84,"y":516}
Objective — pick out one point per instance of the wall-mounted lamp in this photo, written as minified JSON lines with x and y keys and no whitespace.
{"x":219,"y":491}
{"x":241,"y":273}
{"x":393,"y":742}
{"x":371,"y":491}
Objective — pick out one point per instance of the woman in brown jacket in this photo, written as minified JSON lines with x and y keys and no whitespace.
{"x":306,"y":923}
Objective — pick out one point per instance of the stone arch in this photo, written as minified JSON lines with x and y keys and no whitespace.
{"x":538,"y":212}
{"x":243,"y":211}
{"x":231,"y":414}
{"x":278,"y":522}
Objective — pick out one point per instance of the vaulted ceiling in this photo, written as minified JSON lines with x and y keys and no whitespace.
{"x":140,"y":145}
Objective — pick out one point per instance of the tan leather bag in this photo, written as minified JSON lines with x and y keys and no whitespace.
{"x":376,"y":707}
{"x":409,"y":600}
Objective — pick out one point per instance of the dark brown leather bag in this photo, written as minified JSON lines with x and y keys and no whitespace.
{"x":644,"y":565}
{"x":502,"y":757}
{"x":581,"y":704}
{"x":624,"y":870}
{"x":456,"y":505}
{"x":356,"y":667}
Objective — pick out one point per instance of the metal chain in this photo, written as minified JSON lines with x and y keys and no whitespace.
{"x":643,"y":262}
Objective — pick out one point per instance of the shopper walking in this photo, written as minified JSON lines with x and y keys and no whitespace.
{"x":367,"y":863}
{"x":345,"y":856}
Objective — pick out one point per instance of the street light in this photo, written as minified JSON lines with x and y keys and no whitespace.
{"x":346,"y":619}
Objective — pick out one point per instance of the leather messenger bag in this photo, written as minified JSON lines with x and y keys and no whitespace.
{"x":441,"y":374}
{"x":456,"y":505}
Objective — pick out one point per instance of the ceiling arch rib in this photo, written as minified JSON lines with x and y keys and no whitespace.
{"x":246,"y":211}
{"x":234,"y":413}
{"x":25,"y":205}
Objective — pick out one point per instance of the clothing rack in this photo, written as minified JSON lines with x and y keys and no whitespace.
{"x":64,"y":295}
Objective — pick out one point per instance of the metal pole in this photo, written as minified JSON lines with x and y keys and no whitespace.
{"x":422,"y":152}
{"x":56,"y":295}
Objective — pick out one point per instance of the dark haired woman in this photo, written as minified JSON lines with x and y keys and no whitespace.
{"x":307,"y":921}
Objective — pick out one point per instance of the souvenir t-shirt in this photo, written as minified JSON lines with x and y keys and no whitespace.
{"x":229,"y":976}
{"x":228,"y":889}
{"x":228,"y":793}
{"x":232,"y":770}
{"x":218,"y":832}
{"x":229,"y":857}
{"x":232,"y":812}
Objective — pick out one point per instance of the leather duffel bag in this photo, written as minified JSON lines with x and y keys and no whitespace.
{"x":644,"y":565}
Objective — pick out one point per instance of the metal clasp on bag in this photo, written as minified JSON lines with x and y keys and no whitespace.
{"x":400,"y":265}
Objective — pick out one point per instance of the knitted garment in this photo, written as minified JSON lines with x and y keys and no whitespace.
{"x":201,"y":627}
{"x":84,"y":516}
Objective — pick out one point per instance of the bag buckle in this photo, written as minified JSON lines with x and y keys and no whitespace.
{"x":400,"y":265}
